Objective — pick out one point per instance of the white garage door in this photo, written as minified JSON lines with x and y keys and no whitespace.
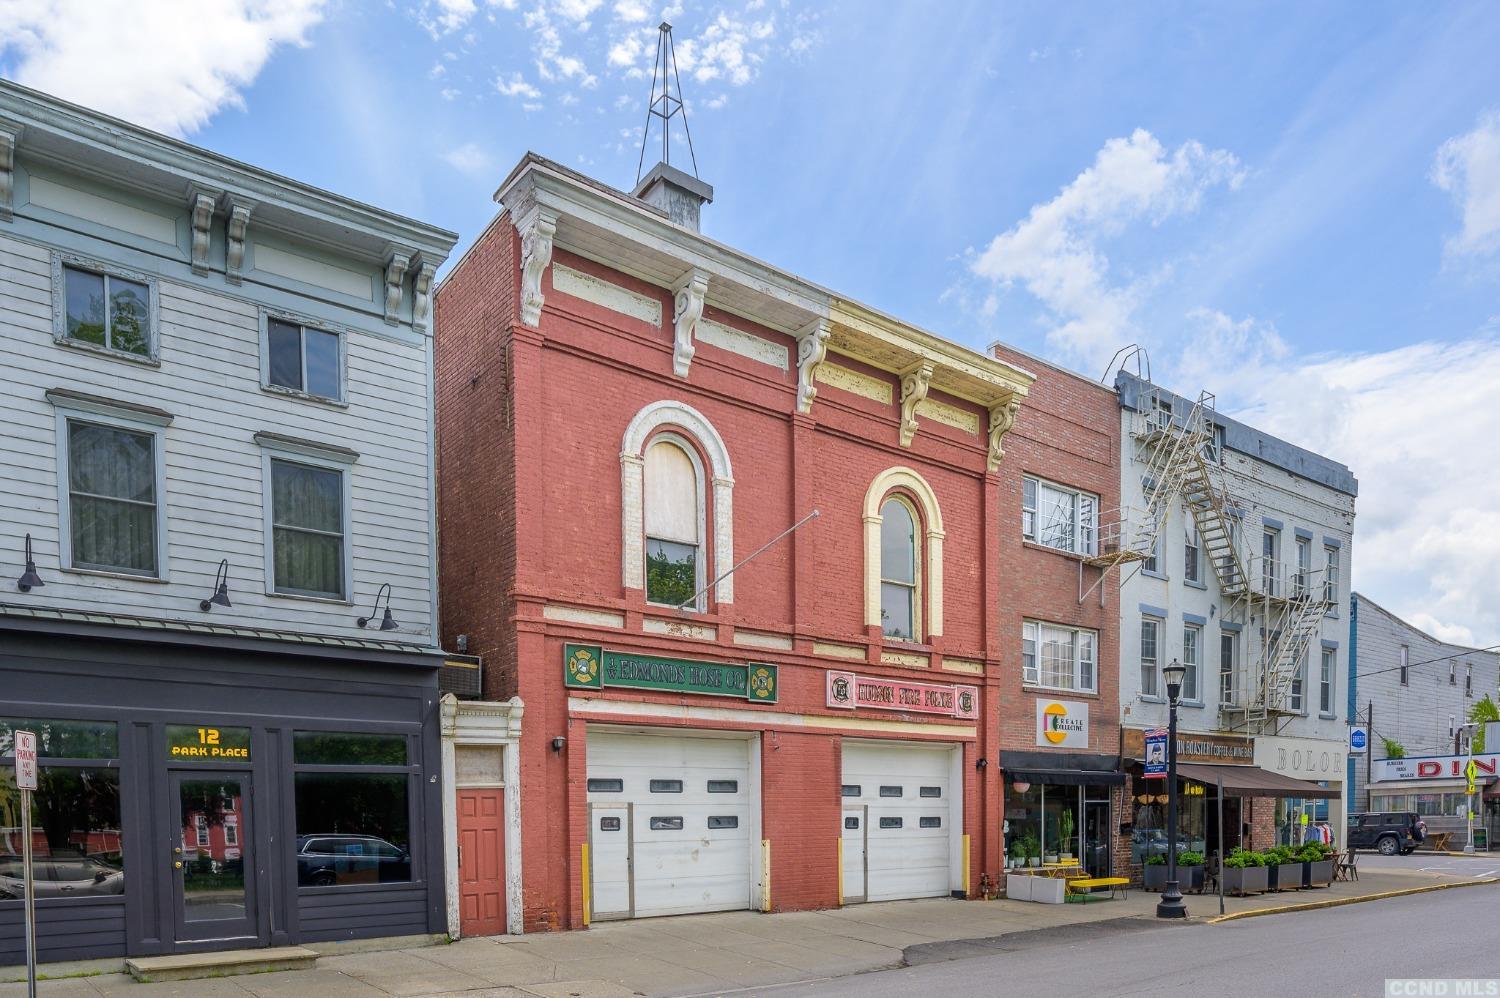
{"x":671,"y":823}
{"x":900,"y":817}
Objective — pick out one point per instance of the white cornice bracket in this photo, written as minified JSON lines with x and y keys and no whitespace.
{"x":537,"y":228}
{"x":397,"y":262}
{"x":1002,"y":419}
{"x":913,"y":390}
{"x":687,"y":308}
{"x":10,"y":136}
{"x":234,"y":237}
{"x":201,"y":204}
{"x":812,"y":350}
{"x":421,"y":295}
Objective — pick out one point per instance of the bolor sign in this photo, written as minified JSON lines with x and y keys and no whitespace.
{"x":1062,"y":724}
{"x":1437,"y":767}
{"x":1315,"y":759}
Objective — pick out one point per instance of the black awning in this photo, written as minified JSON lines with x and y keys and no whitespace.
{"x":1067,"y":768}
{"x":1066,"y":777}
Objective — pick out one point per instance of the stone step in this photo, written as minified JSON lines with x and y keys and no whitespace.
{"x":222,"y":963}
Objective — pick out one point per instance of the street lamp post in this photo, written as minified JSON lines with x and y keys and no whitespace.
{"x":1170,"y":905}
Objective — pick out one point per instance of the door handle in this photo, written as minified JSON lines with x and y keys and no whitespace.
{"x":177,"y":865}
{"x":177,"y":851}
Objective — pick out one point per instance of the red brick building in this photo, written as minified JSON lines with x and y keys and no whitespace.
{"x":627,"y":411}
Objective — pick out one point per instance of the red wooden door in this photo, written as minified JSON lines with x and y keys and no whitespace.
{"x":481,"y":862}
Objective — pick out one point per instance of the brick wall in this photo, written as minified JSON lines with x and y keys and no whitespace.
{"x":804,"y":825}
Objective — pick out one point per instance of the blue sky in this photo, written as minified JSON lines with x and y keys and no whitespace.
{"x":1296,"y":206}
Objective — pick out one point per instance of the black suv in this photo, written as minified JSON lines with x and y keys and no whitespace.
{"x":1389,"y":832}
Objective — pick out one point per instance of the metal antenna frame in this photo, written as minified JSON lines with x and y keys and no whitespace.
{"x":670,"y":106}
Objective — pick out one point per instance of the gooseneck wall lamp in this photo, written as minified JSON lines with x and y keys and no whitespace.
{"x":29,"y":580}
{"x":220,"y":596}
{"x":387,"y":622}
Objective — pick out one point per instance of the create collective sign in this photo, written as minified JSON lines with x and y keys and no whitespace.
{"x":1062,"y":723}
{"x":593,"y":667}
{"x":848,"y":691}
{"x":1436,"y":767}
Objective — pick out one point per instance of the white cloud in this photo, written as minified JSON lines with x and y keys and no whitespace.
{"x":200,"y":56}
{"x":1468,"y":168}
{"x":440,"y":17}
{"x":469,"y":158}
{"x":631,"y":11}
{"x":516,"y":86}
{"x":1416,"y":426}
{"x":1055,"y":254}
{"x":451,"y":93}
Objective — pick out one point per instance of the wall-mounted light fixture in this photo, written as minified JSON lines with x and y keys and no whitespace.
{"x":387,"y":622}
{"x":29,"y":580}
{"x":981,"y":763}
{"x":558,"y":742}
{"x":221,"y":589}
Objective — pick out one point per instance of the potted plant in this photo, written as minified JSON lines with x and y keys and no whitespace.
{"x":1244,"y":873}
{"x":1155,"y":872}
{"x":1283,"y":869}
{"x":1033,"y":849}
{"x":1317,"y":864}
{"x":1065,"y":829}
{"x":1190,"y":871}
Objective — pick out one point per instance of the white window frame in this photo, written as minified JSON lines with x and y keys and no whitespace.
{"x":152,"y":357}
{"x":1469,"y":679}
{"x":305,"y":322}
{"x":1031,"y":673}
{"x":1156,"y":692}
{"x":1270,"y":566}
{"x":1228,"y":668}
{"x":1194,"y":664}
{"x":135,"y":419}
{"x":1085,"y":533}
{"x":231,"y":830}
{"x":916,"y":557}
{"x":1328,"y":664}
{"x":1304,"y":568}
{"x":1405,"y":674}
{"x":315,"y":456}
{"x":1297,"y":693}
{"x":700,"y":601}
{"x":1192,"y":572}
{"x":200,"y":830}
{"x":1331,"y":579}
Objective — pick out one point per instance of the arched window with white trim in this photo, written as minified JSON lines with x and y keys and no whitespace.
{"x":677,"y":508}
{"x":673,"y":522}
{"x":903,"y":557}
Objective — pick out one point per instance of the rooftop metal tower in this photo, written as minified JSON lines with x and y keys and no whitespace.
{"x":665,"y":105}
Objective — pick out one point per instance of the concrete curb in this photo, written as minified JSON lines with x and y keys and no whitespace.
{"x":1340,"y":902}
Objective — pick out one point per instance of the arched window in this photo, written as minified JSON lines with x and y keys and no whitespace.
{"x":903,"y":556}
{"x":900,"y":567}
{"x":673,"y":522}
{"x":674,"y":468}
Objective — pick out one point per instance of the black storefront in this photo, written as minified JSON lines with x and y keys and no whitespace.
{"x":1059,"y":807}
{"x":217,"y":789}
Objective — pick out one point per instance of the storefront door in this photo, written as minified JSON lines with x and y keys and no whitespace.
{"x":1096,"y":838}
{"x":213,"y":877}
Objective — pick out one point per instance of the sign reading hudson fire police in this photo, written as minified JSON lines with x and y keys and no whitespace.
{"x":848,"y":691}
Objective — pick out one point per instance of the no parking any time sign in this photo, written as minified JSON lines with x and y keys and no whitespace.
{"x":25,"y":760}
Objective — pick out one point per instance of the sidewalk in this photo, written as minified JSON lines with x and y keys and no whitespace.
{"x":702,"y":954}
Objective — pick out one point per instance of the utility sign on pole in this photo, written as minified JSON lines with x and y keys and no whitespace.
{"x":25,"y":746}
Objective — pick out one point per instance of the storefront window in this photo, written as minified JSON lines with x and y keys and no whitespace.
{"x":352,"y":808}
{"x":1058,"y":823}
{"x":1149,"y":834}
{"x":75,"y":811}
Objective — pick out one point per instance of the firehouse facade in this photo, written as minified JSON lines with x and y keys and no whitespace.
{"x":734,"y":542}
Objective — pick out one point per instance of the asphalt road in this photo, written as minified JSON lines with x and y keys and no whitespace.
{"x":1479,"y":865}
{"x":1345,"y":951}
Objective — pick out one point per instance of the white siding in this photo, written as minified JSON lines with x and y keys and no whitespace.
{"x":209,"y":380}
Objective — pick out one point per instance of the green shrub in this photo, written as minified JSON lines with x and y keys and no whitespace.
{"x":1240,"y":858}
{"x":1313,"y":852}
{"x":1190,"y":859}
{"x":1156,"y":859}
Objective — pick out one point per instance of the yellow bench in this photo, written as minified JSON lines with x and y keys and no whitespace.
{"x":1082,"y":885}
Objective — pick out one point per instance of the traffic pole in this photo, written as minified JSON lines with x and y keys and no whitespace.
{"x":30,"y":892}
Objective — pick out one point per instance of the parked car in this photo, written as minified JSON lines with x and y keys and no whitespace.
{"x":325,"y":860}
{"x":61,"y":877}
{"x":1388,"y":832}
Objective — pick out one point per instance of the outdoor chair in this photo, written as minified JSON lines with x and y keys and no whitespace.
{"x":1346,"y":866}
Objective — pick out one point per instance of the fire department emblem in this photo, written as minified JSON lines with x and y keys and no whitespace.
{"x":762,"y":683}
{"x":583,"y":667}
{"x":965,"y":702}
{"x":840,"y":693}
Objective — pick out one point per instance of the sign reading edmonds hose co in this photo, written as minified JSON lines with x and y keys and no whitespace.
{"x":848,"y":691}
{"x":593,"y":667}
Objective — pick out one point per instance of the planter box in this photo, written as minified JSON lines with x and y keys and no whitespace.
{"x":1319,"y":874}
{"x":1189,"y":878}
{"x":1246,"y":880}
{"x":1018,"y":886}
{"x":1285,"y":876}
{"x":1048,"y":890}
{"x":1156,"y":877}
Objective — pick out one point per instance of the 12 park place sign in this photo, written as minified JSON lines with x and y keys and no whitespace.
{"x":848,"y":691}
{"x":593,"y":667}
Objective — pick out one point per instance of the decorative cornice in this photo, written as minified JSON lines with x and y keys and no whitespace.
{"x":397,"y":262}
{"x":201,"y":208}
{"x":421,"y":295}
{"x":913,"y":390}
{"x":812,"y":350}
{"x":235,"y":227}
{"x":537,"y":228}
{"x":687,"y":309}
{"x":1002,"y":419}
{"x":10,"y":135}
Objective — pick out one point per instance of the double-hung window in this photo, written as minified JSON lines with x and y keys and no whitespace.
{"x":1190,"y":551}
{"x":1059,"y":517}
{"x":1059,"y":658}
{"x":1331,"y":579}
{"x":674,"y":523}
{"x":1150,"y":657}
{"x":1228,"y":655}
{"x":1405,"y":664}
{"x":303,"y":359}
{"x":1270,"y":569}
{"x":1192,"y":645}
{"x":1304,"y":567}
{"x":105,"y":308}
{"x":307,"y":501}
{"x":899,"y":569}
{"x":1468,"y":679}
{"x":1297,"y":683}
{"x":1325,"y":681}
